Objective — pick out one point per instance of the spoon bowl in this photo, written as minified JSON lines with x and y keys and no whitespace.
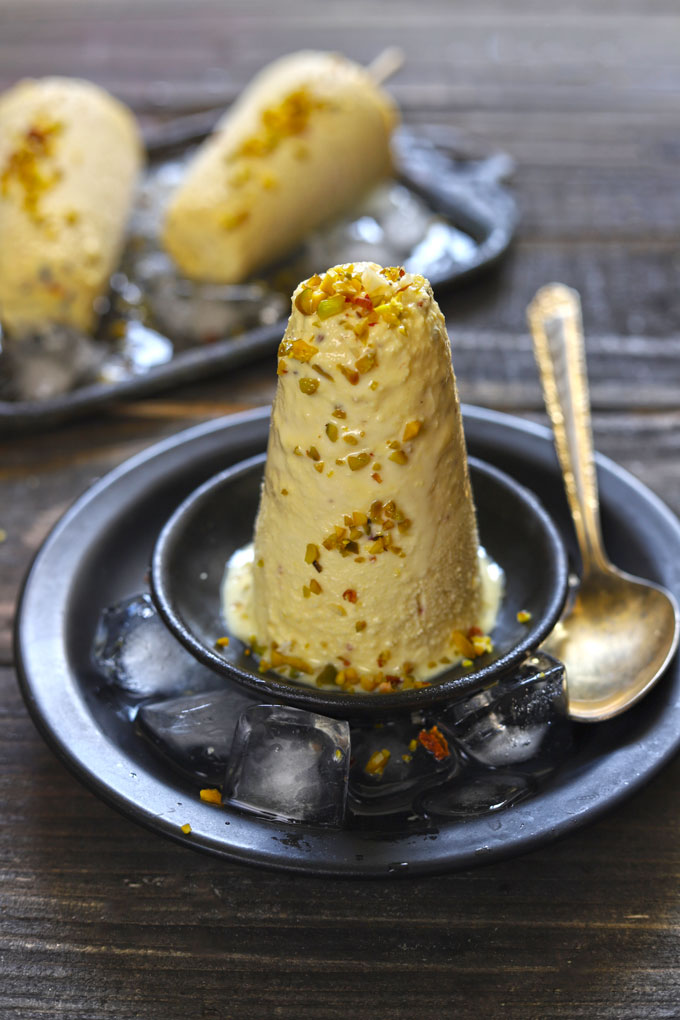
{"x":615,"y":621}
{"x":620,"y":632}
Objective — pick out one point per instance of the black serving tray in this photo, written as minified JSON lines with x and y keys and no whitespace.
{"x":466,"y":190}
{"x":99,"y":553}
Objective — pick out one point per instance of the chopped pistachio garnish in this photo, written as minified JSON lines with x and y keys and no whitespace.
{"x":375,"y":766}
{"x":315,"y":586}
{"x":357,"y":461}
{"x":351,"y":439}
{"x":309,"y":386}
{"x":411,"y":430}
{"x":30,"y":167}
{"x":332,"y":431}
{"x":321,"y":371}
{"x":339,"y":413}
{"x":399,"y":457}
{"x":288,"y":119}
{"x":366,"y":362}
{"x":233,"y":220}
{"x":305,"y":301}
{"x":313,"y":453}
{"x":211,"y":796}
{"x":350,"y":374}
{"x":326,"y":676}
{"x":482,"y":643}
{"x":331,"y":306}
{"x":312,"y":553}
{"x":279,"y":658}
{"x":302,"y":351}
{"x":524,"y":616}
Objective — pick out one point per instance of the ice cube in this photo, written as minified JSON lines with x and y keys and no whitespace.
{"x":196,"y":732}
{"x":382,"y":228}
{"x":390,"y":764}
{"x":45,"y":364}
{"x":191,"y":312}
{"x":404,"y":216}
{"x":476,"y":793}
{"x":520,"y":718}
{"x":153,"y":193}
{"x":135,"y":352}
{"x":442,"y":250}
{"x":137,"y":654}
{"x":289,"y":764}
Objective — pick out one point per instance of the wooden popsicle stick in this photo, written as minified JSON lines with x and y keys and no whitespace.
{"x":388,"y":62}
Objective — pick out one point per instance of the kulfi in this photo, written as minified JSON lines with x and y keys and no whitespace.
{"x":308,"y":136}
{"x":69,"y":157}
{"x":366,"y":570}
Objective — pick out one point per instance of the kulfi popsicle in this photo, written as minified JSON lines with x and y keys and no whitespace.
{"x":69,"y":157}
{"x":366,"y":571}
{"x":305,"y":140}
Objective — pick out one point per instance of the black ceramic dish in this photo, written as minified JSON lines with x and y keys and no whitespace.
{"x":216,"y":520}
{"x":99,"y":553}
{"x":467,"y":192}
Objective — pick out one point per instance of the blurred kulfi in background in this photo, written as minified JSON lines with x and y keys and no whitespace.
{"x":308,"y":136}
{"x":70,"y":155}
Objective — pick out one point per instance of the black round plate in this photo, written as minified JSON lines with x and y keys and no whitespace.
{"x":218,"y":518}
{"x":99,"y":552}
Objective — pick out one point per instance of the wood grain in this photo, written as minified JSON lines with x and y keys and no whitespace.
{"x":100,"y":919}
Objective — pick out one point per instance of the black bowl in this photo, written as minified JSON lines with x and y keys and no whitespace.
{"x":217,"y":519}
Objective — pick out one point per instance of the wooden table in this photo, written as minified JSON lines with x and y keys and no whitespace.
{"x":101,"y":919}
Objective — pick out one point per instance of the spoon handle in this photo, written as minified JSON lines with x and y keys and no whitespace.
{"x":556,"y":326}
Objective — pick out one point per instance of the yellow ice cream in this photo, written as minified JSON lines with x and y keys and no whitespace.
{"x":366,"y":560}
{"x":306,"y":138}
{"x":69,"y":157}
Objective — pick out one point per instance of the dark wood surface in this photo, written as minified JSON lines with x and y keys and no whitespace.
{"x":99,"y":918}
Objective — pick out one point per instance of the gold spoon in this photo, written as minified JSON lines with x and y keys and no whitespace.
{"x":620,"y":632}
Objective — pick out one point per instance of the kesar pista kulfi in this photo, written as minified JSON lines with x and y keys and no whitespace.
{"x":366,"y":571}
{"x":69,"y":157}
{"x":305,"y":140}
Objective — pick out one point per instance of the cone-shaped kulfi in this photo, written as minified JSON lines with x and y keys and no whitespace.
{"x":366,"y":567}
{"x":306,"y":138}
{"x":69,"y":157}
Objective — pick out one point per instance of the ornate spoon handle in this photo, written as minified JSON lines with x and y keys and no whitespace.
{"x":555,"y":322}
